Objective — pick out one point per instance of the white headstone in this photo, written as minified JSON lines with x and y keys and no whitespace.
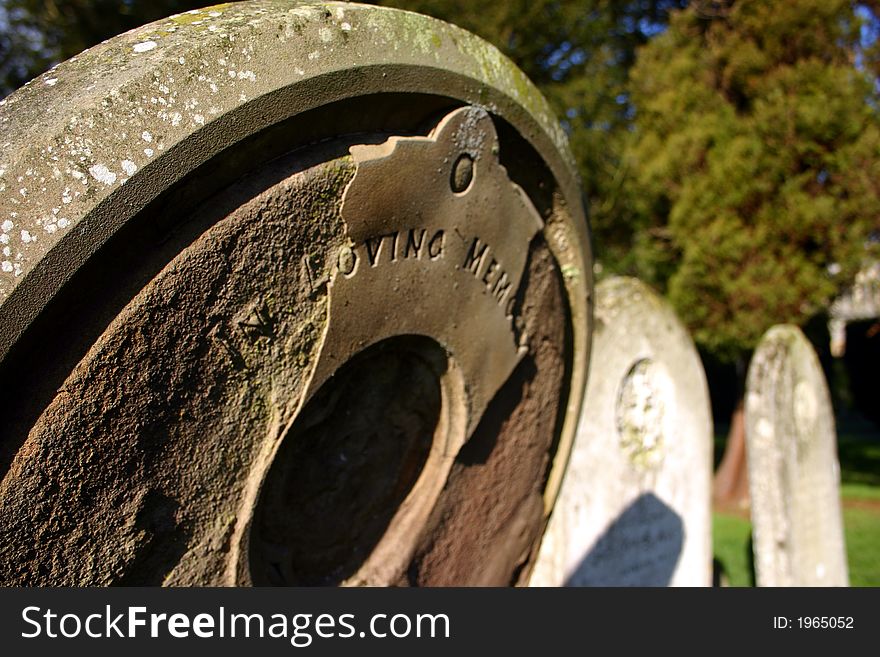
{"x":794,"y":476}
{"x":634,"y":508}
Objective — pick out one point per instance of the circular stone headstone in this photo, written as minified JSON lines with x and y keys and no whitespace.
{"x":292,"y":293}
{"x":794,"y":476}
{"x":634,"y":505}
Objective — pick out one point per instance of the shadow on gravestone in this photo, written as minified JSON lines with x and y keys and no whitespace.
{"x":640,"y":548}
{"x":644,"y":436}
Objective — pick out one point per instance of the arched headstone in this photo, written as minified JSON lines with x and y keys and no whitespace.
{"x":634,"y":508}
{"x":290,"y":294}
{"x":794,"y":476}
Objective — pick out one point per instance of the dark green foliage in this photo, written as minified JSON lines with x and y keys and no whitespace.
{"x":755,"y":164}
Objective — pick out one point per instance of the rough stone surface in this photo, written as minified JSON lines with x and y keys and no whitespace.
{"x":179,"y":357}
{"x":90,"y":143}
{"x":176,"y":242}
{"x":488,"y":520}
{"x":133,"y":472}
{"x":634,"y":505}
{"x":163,"y":438}
{"x":794,"y":476}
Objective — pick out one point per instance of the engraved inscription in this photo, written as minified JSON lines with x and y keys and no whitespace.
{"x":641,"y":406}
{"x":435,"y":246}
{"x":445,"y":262}
{"x":414,"y":241}
{"x":315,"y":273}
{"x":403,"y":245}
{"x":374,"y":246}
{"x":493,"y":276}
{"x":255,"y":322}
{"x":474,"y":259}
{"x":425,"y":267}
{"x":231,"y":354}
{"x":429,"y":244}
{"x":347,"y":261}
{"x":250,"y":325}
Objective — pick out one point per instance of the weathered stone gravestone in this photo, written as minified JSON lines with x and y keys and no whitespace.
{"x":290,"y":294}
{"x":794,"y":476}
{"x":634,"y":505}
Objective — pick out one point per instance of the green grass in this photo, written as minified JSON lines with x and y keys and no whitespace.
{"x":862,"y":529}
{"x":859,"y":492}
{"x":730,"y":538}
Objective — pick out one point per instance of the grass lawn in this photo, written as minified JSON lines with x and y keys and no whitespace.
{"x":730,"y":540}
{"x":863,"y":545}
{"x":860,"y":492}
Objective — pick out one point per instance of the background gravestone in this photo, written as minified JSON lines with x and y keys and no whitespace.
{"x":290,"y":293}
{"x":794,"y":476}
{"x":634,"y":505}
